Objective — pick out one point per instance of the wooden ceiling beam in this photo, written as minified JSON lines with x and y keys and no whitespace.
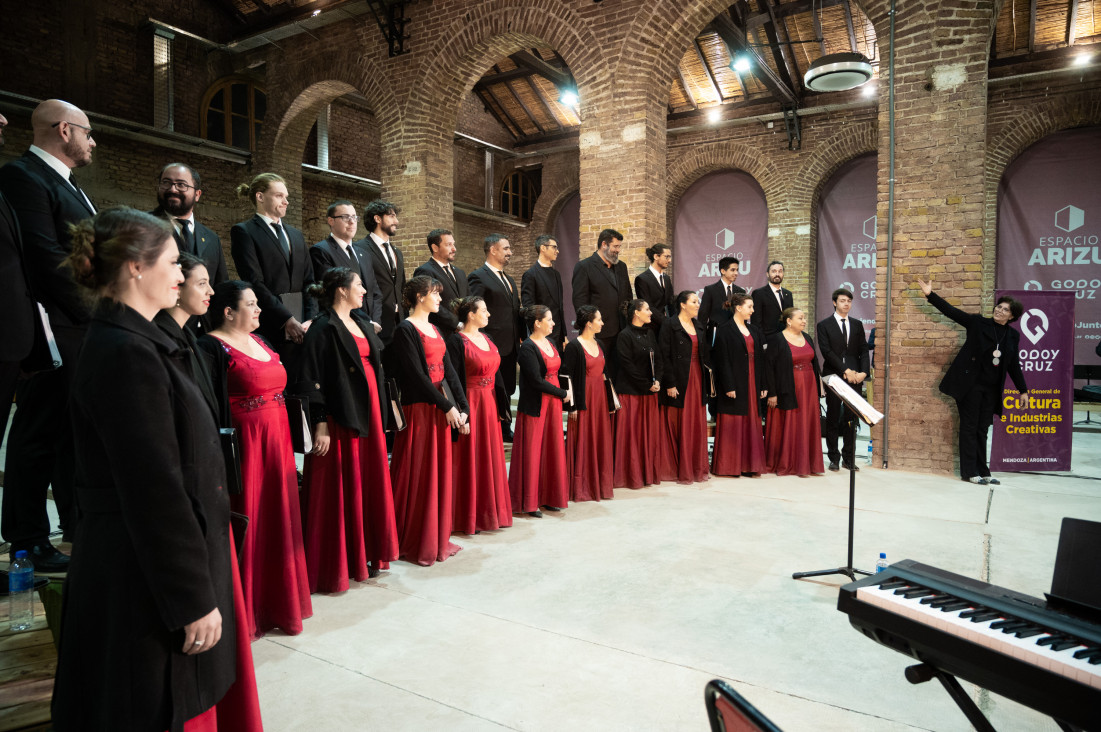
{"x":489,"y":99}
{"x":1072,"y":22}
{"x":818,"y":32}
{"x":524,"y":107}
{"x":559,"y":77}
{"x":849,"y":25}
{"x":546,"y":105}
{"x":737,"y":42}
{"x":1032,"y":26}
{"x":774,"y":31}
{"x":785,"y":10}
{"x":687,"y":91}
{"x":707,"y":70}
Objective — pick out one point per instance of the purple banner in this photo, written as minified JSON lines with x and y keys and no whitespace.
{"x":567,"y":229}
{"x":1049,"y":226}
{"x":846,"y":239}
{"x":722,"y":214}
{"x":1034,"y":431}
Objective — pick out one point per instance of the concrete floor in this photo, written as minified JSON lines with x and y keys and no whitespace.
{"x":614,"y":615}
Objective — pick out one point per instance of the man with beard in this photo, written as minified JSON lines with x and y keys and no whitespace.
{"x":542,"y":285}
{"x":441,"y":266}
{"x":336,"y":250}
{"x":46,"y":198}
{"x":771,"y":300}
{"x":502,"y":299}
{"x":179,"y":188}
{"x":601,"y":281}
{"x":387,"y":262}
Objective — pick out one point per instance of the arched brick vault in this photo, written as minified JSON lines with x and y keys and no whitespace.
{"x":547,"y":208}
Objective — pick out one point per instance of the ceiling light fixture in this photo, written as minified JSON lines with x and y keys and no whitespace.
{"x":1083,"y":59}
{"x":741,"y":64}
{"x":568,"y":97}
{"x":838,"y":72}
{"x":714,"y":115}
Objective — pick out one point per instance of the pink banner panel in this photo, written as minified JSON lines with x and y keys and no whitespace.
{"x":722,"y":214}
{"x":846,"y":239}
{"x":567,"y":228}
{"x":1049,"y":227}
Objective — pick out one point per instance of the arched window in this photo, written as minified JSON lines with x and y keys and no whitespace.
{"x":518,"y":194}
{"x":233,"y":112}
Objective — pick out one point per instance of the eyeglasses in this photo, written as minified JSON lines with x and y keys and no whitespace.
{"x":551,"y":246}
{"x":179,"y":185}
{"x":87,"y":130}
{"x":1003,"y":309}
{"x":349,"y":218}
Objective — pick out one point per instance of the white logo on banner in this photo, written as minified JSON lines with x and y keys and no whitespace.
{"x":848,"y":286}
{"x":724,"y":239}
{"x":1033,"y":285}
{"x":1069,"y":218}
{"x":869,"y":231}
{"x":1041,"y":329}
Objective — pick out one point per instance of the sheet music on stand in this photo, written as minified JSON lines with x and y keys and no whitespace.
{"x":869,"y":414}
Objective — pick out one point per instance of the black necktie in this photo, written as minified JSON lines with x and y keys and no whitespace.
{"x":451,"y":274}
{"x":728,"y":293}
{"x":352,"y":255}
{"x":185,"y":234}
{"x":390,"y":260}
{"x":74,"y":184}
{"x":504,"y":279}
{"x":844,"y":332}
{"x":282,"y":235}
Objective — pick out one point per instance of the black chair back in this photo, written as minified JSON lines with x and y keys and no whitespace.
{"x":728,"y":711}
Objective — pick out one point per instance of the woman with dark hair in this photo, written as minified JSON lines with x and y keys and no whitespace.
{"x":793,"y":428}
{"x":739,"y":358}
{"x":420,"y":468}
{"x":481,"y":495}
{"x":537,"y":474}
{"x":350,"y":505}
{"x":148,"y":638}
{"x":977,"y":375}
{"x":686,"y":366}
{"x":638,"y":423}
{"x":248,"y":374}
{"x":590,"y":457}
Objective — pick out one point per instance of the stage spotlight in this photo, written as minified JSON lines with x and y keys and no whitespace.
{"x":741,"y":64}
{"x":714,"y":115}
{"x":568,"y":97}
{"x":870,"y":90}
{"x":1083,"y":59}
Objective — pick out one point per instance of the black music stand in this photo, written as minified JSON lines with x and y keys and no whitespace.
{"x":862,"y":410}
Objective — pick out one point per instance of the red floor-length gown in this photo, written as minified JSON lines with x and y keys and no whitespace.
{"x":480,"y":478}
{"x":685,"y":453}
{"x":638,"y":438}
{"x":793,"y":437}
{"x":739,"y":444}
{"x":589,"y":449}
{"x":420,"y":471}
{"x":350,"y":520}
{"x":537,"y":475}
{"x":273,"y":563}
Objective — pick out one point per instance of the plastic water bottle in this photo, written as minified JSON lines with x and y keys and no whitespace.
{"x":881,"y":563}
{"x":21,"y":591}
{"x":869,"y":449}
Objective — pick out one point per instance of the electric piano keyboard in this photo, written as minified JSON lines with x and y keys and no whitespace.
{"x":1010,"y":643}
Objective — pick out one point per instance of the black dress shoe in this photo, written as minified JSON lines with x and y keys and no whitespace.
{"x":552,"y":508}
{"x":850,"y":466}
{"x":833,"y":466}
{"x":506,"y":435}
{"x":46,"y":558}
{"x":535,"y":514}
{"x":372,"y":571}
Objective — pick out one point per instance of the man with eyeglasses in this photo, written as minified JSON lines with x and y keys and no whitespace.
{"x":178,"y":190}
{"x":46,"y":197}
{"x":336,"y":250}
{"x":441,"y":266}
{"x":542,"y":285}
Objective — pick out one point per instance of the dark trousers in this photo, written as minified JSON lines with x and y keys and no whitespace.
{"x":508,"y":380}
{"x":9,"y":377}
{"x":976,"y":415}
{"x":611,"y":356}
{"x":40,"y":455}
{"x":839,"y":419}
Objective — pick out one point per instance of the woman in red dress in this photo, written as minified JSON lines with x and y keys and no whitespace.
{"x":793,"y":429}
{"x":638,"y":438}
{"x":537,"y":473}
{"x":739,"y":358}
{"x":350,"y":529}
{"x":686,"y":366}
{"x":273,"y":562}
{"x":480,"y":477}
{"x":590,"y":457}
{"x":420,"y":468}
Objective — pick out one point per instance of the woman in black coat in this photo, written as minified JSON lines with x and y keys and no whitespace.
{"x":740,"y":368}
{"x":793,"y":429}
{"x":350,"y":529}
{"x":148,"y":625}
{"x":590,"y":455}
{"x":638,"y":423}
{"x":686,"y":385}
{"x":977,"y":375}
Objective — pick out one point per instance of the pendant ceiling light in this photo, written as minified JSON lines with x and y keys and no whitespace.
{"x":838,"y":72}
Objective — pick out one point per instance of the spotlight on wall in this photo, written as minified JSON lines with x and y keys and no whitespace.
{"x":1083,"y":59}
{"x":838,"y":72}
{"x":315,"y":13}
{"x":568,"y":97}
{"x":870,"y":90}
{"x":741,"y":63}
{"x":714,"y":115}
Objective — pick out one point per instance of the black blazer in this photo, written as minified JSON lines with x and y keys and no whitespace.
{"x":390,"y":284}
{"x":982,"y":335}
{"x":199,"y":361}
{"x":16,"y":302}
{"x":445,"y":320}
{"x":766,"y":311}
{"x":675,"y":348}
{"x":533,"y":380}
{"x":261,"y":261}
{"x":635,"y":346}
{"x":731,"y":359}
{"x":504,"y":308}
{"x":838,"y":355}
{"x":659,"y":299}
{"x":780,"y":374}
{"x":573,"y":366}
{"x":713,"y":312}
{"x":208,"y":246}
{"x":152,"y":496}
{"x":413,"y":380}
{"x":594,"y":283}
{"x":45,"y":204}
{"x":543,"y":286}
{"x":331,"y":374}
{"x":327,"y":254}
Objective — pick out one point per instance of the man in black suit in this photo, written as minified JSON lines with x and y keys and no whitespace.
{"x":336,"y":250}
{"x":771,"y":300}
{"x":46,"y":198}
{"x":441,"y":266}
{"x":381,"y":220}
{"x":845,"y":352}
{"x":601,"y":280}
{"x":273,"y":257}
{"x":713,"y":312}
{"x":502,"y":298}
{"x":542,"y":285}
{"x":656,"y":287}
{"x":179,"y":188}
